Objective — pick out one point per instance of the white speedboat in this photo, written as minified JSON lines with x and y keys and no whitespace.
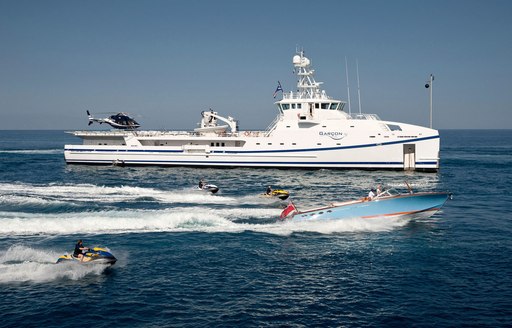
{"x":311,"y":130}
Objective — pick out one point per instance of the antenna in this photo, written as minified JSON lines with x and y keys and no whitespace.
{"x":358,"y":90}
{"x":348,"y":87}
{"x":429,"y":85}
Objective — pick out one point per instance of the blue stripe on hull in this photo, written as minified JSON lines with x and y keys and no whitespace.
{"x":227,"y":163}
{"x":328,"y":148}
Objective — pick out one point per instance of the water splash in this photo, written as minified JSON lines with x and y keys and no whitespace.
{"x":25,"y":264}
{"x":26,"y":194}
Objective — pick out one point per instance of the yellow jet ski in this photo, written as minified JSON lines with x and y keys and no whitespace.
{"x":278,"y":193}
{"x":92,"y":255}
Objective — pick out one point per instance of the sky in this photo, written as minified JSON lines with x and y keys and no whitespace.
{"x":165,"y":61}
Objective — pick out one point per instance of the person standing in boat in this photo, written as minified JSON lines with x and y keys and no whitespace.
{"x":379,"y":189}
{"x":371,"y":194}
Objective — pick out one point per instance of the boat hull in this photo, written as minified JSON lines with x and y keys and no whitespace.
{"x":410,"y":206}
{"x":350,"y":156}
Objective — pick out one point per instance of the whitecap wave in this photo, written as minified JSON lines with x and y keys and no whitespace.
{"x":180,"y":219}
{"x":72,"y":193}
{"x":380,"y":224}
{"x":27,"y":200}
{"x":32,"y":151}
{"x":173,"y":219}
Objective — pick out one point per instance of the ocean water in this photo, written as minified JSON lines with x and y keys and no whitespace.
{"x":191,"y":259}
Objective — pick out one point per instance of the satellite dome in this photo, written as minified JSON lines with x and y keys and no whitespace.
{"x":296,"y":60}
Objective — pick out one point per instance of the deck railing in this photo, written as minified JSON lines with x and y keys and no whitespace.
{"x":298,"y":95}
{"x":363,"y":116}
{"x":272,"y":126}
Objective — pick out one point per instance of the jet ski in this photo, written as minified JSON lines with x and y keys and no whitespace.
{"x":278,"y":193}
{"x":93,"y":255}
{"x":210,"y":187}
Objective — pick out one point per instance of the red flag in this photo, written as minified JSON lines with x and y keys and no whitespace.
{"x":290,"y":208}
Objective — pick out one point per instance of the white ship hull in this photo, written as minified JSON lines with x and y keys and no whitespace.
{"x":311,"y":130}
{"x":390,"y":152}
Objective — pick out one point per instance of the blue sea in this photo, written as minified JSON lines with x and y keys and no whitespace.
{"x":191,"y":259}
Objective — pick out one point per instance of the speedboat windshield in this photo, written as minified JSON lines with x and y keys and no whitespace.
{"x":388,"y":193}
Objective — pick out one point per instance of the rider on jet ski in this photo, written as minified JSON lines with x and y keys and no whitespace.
{"x":79,"y":249}
{"x":269,"y":190}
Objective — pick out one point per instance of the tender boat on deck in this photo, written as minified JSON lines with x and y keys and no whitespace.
{"x":389,"y":203}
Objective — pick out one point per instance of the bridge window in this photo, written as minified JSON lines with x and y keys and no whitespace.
{"x":334,"y":106}
{"x":293,"y":106}
{"x":325,"y":105}
{"x":285,"y":106}
{"x":394,"y":127}
{"x":299,"y":106}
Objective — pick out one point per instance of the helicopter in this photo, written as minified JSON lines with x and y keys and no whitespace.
{"x":118,"y":121}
